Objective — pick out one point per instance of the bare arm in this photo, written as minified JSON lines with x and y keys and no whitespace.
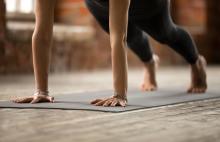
{"x":118,"y":32}
{"x":118,"y":21}
{"x":41,"y":46}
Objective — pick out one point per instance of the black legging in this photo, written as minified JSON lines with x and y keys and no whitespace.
{"x":151,"y":17}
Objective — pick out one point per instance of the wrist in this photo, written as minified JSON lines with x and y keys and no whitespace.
{"x":40,"y":92}
{"x":120,"y":96}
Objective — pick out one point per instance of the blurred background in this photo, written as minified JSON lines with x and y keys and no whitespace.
{"x":80,"y":44}
{"x":81,"y":62}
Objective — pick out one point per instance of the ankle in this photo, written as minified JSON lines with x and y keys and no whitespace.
{"x":199,"y":62}
{"x":154,"y":61}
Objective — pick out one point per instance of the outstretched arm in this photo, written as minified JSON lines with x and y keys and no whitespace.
{"x":41,"y":46}
{"x":118,"y":22}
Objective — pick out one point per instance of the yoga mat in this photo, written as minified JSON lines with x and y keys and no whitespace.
{"x":136,"y":100}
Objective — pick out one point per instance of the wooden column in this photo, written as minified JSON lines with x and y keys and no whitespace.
{"x":2,"y":26}
{"x":213,"y":30}
{"x":174,"y":10}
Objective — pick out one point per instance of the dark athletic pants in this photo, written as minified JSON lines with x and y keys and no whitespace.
{"x":151,"y":17}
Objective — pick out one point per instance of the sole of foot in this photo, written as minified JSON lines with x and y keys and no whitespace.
{"x":198,"y":77}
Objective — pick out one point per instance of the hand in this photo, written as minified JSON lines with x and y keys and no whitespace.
{"x":34,"y":99}
{"x":110,"y":102}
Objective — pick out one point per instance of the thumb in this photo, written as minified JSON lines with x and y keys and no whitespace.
{"x":36,"y":99}
{"x":50,"y":99}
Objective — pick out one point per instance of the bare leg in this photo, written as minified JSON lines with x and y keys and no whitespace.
{"x":198,"y":76}
{"x":41,"y":45}
{"x":150,"y":83}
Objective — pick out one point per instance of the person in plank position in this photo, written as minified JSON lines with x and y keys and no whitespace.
{"x":41,"y":46}
{"x":153,"y":17}
{"x":125,"y":27}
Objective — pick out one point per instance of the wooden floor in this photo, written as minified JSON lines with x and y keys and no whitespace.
{"x":187,"y":122}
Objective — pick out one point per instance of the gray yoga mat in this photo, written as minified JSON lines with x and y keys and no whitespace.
{"x":136,"y":100}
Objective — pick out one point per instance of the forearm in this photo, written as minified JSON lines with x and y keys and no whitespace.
{"x":41,"y":42}
{"x":41,"y":55}
{"x":118,"y":19}
{"x":119,"y":66}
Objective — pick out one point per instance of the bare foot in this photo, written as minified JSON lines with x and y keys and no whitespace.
{"x":150,"y":83}
{"x":38,"y":97}
{"x":198,"y":76}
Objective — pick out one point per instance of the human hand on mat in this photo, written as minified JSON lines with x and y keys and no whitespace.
{"x":38,"y":97}
{"x":110,"y":102}
{"x":118,"y":23}
{"x":34,"y":99}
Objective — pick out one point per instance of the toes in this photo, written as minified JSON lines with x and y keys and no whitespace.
{"x":196,"y":90}
{"x":192,"y":90}
{"x":189,"y":90}
{"x":148,"y":88}
{"x":200,"y":90}
{"x":203,"y":90}
{"x":152,"y":88}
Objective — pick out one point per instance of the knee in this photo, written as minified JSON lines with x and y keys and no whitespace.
{"x":165,"y":38}
{"x":134,"y":39}
{"x":168,"y":36}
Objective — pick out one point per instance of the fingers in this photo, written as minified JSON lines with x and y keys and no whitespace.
{"x":107,"y":103}
{"x":23,"y":99}
{"x":36,"y":99}
{"x":95,"y":101}
{"x":110,"y":102}
{"x":101,"y":103}
{"x":114,"y":102}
